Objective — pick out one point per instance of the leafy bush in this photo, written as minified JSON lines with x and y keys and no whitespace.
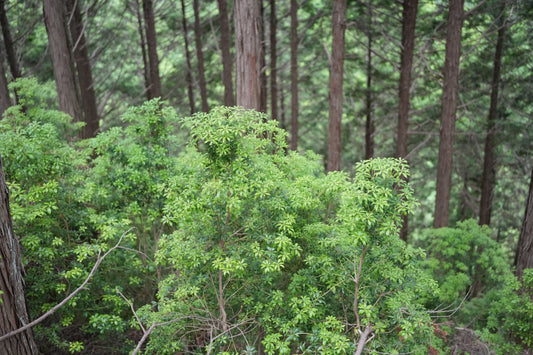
{"x":478,"y":287}
{"x":268,"y":251}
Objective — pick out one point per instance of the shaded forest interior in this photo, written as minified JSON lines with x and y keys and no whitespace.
{"x":296,"y":176}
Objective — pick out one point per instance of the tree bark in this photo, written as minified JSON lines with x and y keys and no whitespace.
{"x":489,"y":160}
{"x":13,"y":311}
{"x":5,"y":100}
{"x":85,"y":77}
{"x":273,"y":61}
{"x":188,"y":75}
{"x":146,"y":70}
{"x":227,"y":62}
{"x":294,"y":75}
{"x":8,"y":42}
{"x":335,"y":85}
{"x":524,"y":249}
{"x":151,"y":41}
{"x":369,"y":132}
{"x":409,"y":12}
{"x":262,"y":63}
{"x":200,"y":56}
{"x":54,"y":16}
{"x":448,"y":115}
{"x":248,"y":54}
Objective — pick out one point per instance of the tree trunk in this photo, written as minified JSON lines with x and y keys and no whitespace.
{"x":273,"y":61}
{"x":85,"y":77}
{"x":227,"y":62}
{"x":489,"y":161}
{"x":262,"y":63}
{"x":200,"y":56}
{"x":524,"y":249}
{"x":151,"y":40}
{"x":369,"y":132}
{"x":294,"y":75}
{"x":5,"y":100}
{"x":54,"y":16}
{"x":188,"y":75}
{"x":13,"y":312}
{"x":410,"y":8}
{"x":8,"y":42}
{"x":335,"y":85}
{"x":248,"y":54}
{"x":146,"y":70}
{"x":448,"y":115}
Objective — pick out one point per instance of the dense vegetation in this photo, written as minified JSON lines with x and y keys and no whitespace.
{"x":222,"y":232}
{"x":238,"y":246}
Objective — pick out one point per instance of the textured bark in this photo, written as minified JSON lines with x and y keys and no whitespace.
{"x":262,"y":62}
{"x":151,"y":41}
{"x":524,"y":249}
{"x":489,"y":161}
{"x":410,"y":8}
{"x":5,"y":100}
{"x":335,"y":85}
{"x":200,"y":56}
{"x":248,"y":54}
{"x":227,"y":62}
{"x":273,"y":61}
{"x":85,"y":77}
{"x":448,"y":115}
{"x":369,"y":131}
{"x":8,"y":42}
{"x":54,"y":18}
{"x":188,"y":75}
{"x":13,"y":312}
{"x":146,"y":70}
{"x":294,"y":75}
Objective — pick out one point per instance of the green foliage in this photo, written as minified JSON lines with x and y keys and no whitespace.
{"x":67,"y":208}
{"x":510,"y":315}
{"x":474,"y":274}
{"x":264,"y":239}
{"x":465,"y":260}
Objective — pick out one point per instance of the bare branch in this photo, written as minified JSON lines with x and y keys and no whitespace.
{"x":69,"y":297}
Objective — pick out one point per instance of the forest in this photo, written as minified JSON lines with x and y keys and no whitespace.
{"x":266,"y":177}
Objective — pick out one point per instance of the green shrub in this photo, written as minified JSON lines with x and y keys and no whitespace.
{"x":266,"y":248}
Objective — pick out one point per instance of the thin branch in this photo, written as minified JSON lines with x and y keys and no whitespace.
{"x":69,"y":297}
{"x":133,"y":310}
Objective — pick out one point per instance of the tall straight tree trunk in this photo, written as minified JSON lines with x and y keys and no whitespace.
{"x":335,"y":85}
{"x":489,"y":161}
{"x":524,"y":249}
{"x":227,"y":62}
{"x":273,"y":61}
{"x":85,"y":77}
{"x":262,"y":63}
{"x":146,"y":70}
{"x":248,"y":54}
{"x":294,"y":75}
{"x":151,"y":41}
{"x":200,"y":56}
{"x":450,"y":91}
{"x":282,"y":118}
{"x":8,"y":42}
{"x":13,"y":312}
{"x":369,"y":132}
{"x":5,"y":100}
{"x":188,"y":75}
{"x":54,"y":18}
{"x":409,"y":12}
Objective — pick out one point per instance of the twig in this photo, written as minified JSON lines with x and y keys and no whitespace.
{"x":69,"y":297}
